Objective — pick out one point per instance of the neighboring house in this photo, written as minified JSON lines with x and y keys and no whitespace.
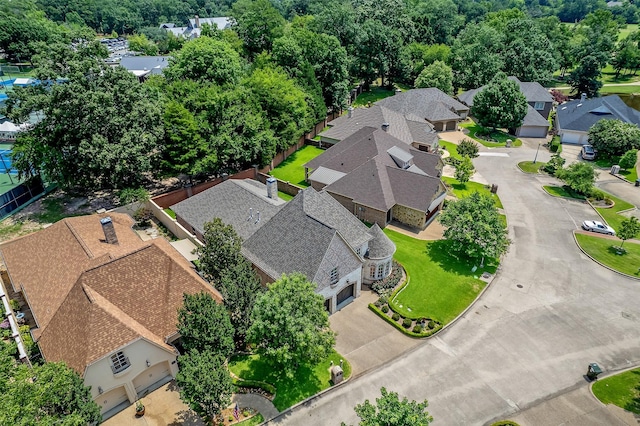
{"x":104,"y":302}
{"x":410,"y":129}
{"x":431,"y":104}
{"x":144,"y":66}
{"x":378,"y":178}
{"x":9,"y":131}
{"x":315,"y":235}
{"x":575,"y":118}
{"x":194,"y":28}
{"x":535,"y":123}
{"x":244,"y":204}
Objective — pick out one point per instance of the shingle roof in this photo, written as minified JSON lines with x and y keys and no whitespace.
{"x":137,"y":63}
{"x":230,"y":201}
{"x":533,"y":118}
{"x":424,"y":103}
{"x":532,"y":91}
{"x":581,"y":115}
{"x":302,"y":234}
{"x":86,"y":294}
{"x":221,"y":23}
{"x":380,"y":246}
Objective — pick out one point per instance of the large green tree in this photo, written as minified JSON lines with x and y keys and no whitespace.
{"x":474,"y":57}
{"x":290,"y":325}
{"x":464,"y":170}
{"x":579,"y":176}
{"x":258,"y":24}
{"x":474,"y":227}
{"x":614,"y":137}
{"x":500,"y":104}
{"x":221,"y":250}
{"x":390,"y":410}
{"x":629,"y":228}
{"x":438,"y":75}
{"x":204,"y":325}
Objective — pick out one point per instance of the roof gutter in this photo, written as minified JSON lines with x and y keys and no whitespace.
{"x":15,"y":330}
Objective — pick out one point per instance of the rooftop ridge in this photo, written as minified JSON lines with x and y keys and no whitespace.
{"x":78,"y":238}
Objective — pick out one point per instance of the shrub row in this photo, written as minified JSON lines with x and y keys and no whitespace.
{"x":431,"y":326}
{"x":255,"y":384}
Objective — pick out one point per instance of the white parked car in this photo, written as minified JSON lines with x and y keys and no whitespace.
{"x":595,"y":226}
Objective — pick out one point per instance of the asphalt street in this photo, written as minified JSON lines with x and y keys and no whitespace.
{"x":549,"y":312}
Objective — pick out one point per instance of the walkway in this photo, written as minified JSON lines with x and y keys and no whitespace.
{"x":258,"y":402}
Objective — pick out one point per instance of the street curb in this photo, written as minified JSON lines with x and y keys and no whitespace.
{"x":598,"y":262}
{"x":607,"y":375}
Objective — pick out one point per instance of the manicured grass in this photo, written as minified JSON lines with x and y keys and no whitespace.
{"x":441,"y":286}
{"x":634,"y":88}
{"x":562,"y":191}
{"x":622,"y":390}
{"x":529,"y":167}
{"x":499,"y":136}
{"x":292,"y":169}
{"x":461,"y":190}
{"x":624,"y":32}
{"x":253,"y":421}
{"x":285,"y":196}
{"x":451,"y":147}
{"x":630,"y":175}
{"x":604,"y":251}
{"x":170,"y":212}
{"x":308,"y":381}
{"x":606,"y":162}
{"x":375,"y":94}
{"x":611,"y":215}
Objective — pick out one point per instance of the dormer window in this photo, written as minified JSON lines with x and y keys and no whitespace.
{"x":119,"y":362}
{"x":334,"y":276}
{"x":539,"y":106}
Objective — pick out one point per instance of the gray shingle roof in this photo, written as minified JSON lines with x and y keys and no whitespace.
{"x":532,"y":91}
{"x":139,"y":63}
{"x":380,"y":246}
{"x":220,"y":23}
{"x":570,"y":116}
{"x":533,"y":118}
{"x":309,"y":228}
{"x":422,"y":102}
{"x":423,"y":132}
{"x":230,"y":201}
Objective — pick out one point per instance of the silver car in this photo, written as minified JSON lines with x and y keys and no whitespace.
{"x":595,"y":226}
{"x":588,"y":152}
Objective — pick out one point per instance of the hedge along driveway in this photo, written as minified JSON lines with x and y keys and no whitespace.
{"x":440,"y":286}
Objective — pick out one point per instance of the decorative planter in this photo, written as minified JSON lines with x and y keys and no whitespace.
{"x":140,"y":413}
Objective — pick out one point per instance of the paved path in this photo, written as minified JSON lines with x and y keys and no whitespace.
{"x":260,"y":403}
{"x":549,"y":312}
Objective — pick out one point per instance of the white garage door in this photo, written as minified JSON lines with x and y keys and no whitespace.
{"x":110,"y":399}
{"x":532,"y":131}
{"x":573,"y":137}
{"x":150,"y":376}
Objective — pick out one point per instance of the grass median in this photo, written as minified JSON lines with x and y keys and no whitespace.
{"x":622,"y":390}
{"x":605,"y":251}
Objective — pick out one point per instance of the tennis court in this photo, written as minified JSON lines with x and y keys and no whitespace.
{"x":7,"y":180}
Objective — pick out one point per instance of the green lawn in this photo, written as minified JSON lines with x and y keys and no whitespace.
{"x":440,"y":285}
{"x":622,"y":390}
{"x":635,"y":88}
{"x":292,"y":169}
{"x":611,"y":215}
{"x":285,"y":196}
{"x":630,"y":175}
{"x":499,"y":136}
{"x":624,"y":32}
{"x":562,"y":191}
{"x":529,"y":167}
{"x":253,"y":421}
{"x":375,"y":94}
{"x":604,"y":251}
{"x":451,"y":147}
{"x":461,"y":190}
{"x":309,"y":380}
{"x":607,"y":162}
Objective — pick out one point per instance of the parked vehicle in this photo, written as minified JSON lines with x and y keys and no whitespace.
{"x":595,"y":226}
{"x":588,"y":152}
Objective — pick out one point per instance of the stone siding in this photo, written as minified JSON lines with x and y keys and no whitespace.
{"x":409,"y":216}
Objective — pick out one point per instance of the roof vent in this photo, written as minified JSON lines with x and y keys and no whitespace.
{"x":583,"y":97}
{"x":109,"y":230}
{"x":258,"y":217}
{"x":385,"y":127}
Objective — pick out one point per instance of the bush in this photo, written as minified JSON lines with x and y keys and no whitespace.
{"x":131,"y":195}
{"x":597,"y":194}
{"x":15,"y":305}
{"x":385,"y":309}
{"x":431,"y":324}
{"x":629,"y":159}
{"x":555,"y":163}
{"x":382,"y":286}
{"x":417,"y":329}
{"x":143,"y":216}
{"x":454,"y":162}
{"x":468,"y":148}
{"x":395,"y":316}
{"x":407,"y":322}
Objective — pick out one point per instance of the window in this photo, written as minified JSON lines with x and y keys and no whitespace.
{"x":539,"y":106}
{"x":372,"y":271}
{"x":380,"y":270}
{"x":386,"y":268}
{"x":119,"y":362}
{"x":334,"y":276}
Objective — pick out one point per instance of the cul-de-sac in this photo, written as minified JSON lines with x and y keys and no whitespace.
{"x":320,"y":212}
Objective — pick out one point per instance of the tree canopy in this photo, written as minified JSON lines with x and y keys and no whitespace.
{"x":579,"y":176}
{"x":629,"y":228}
{"x":290,"y":325}
{"x":438,"y":75}
{"x":390,"y":410}
{"x":221,"y":250}
{"x":500,"y":104}
{"x":614,"y":137}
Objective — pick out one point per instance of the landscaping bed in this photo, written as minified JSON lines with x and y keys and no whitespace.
{"x":622,"y":390}
{"x":562,"y":191}
{"x":418,"y":327}
{"x":461,"y":190}
{"x":497,"y":138}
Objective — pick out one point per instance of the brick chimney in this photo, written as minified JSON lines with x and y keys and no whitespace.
{"x":109,"y":231}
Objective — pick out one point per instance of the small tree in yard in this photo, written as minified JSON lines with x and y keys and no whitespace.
{"x":579,"y":176}
{"x":290,"y":325}
{"x":500,"y":104}
{"x":554,"y":164}
{"x":614,"y":137}
{"x":475,"y":228}
{"x":389,"y":410}
{"x":629,"y":159}
{"x":205,"y":382}
{"x":464,"y":170}
{"x":221,"y":250}
{"x":629,"y":228}
{"x":468,"y":148}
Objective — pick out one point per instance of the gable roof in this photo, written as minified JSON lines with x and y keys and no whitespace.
{"x":154,"y":64}
{"x":580,"y":115}
{"x":533,"y":118}
{"x":235,"y":201}
{"x":299,"y":236}
{"x":84,"y":292}
{"x":532,"y":91}
{"x":430,"y":103}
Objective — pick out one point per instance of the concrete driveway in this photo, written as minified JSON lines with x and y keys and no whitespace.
{"x":549,"y":312}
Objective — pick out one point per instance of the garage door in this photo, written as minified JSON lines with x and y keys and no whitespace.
{"x":532,"y":131}
{"x":150,"y":376}
{"x":345,"y":293}
{"x":109,"y":400}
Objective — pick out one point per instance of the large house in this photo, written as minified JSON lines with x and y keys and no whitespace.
{"x":144,"y":66}
{"x":430,"y":104}
{"x":535,"y":124}
{"x":312,"y":234}
{"x":575,"y":118}
{"x":194,"y":27}
{"x":410,"y":129}
{"x":378,"y":178}
{"x":104,"y":302}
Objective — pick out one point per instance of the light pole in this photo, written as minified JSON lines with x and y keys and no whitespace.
{"x":536,"y":157}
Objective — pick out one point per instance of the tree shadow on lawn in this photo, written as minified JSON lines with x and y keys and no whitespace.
{"x":441,"y":253}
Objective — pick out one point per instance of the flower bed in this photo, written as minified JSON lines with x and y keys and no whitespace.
{"x":414,"y":327}
{"x":385,"y":285}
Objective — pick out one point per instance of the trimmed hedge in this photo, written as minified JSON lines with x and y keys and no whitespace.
{"x":425,"y":332}
{"x":254,"y":384}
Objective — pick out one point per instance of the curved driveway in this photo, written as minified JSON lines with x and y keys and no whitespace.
{"x":549,"y":312}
